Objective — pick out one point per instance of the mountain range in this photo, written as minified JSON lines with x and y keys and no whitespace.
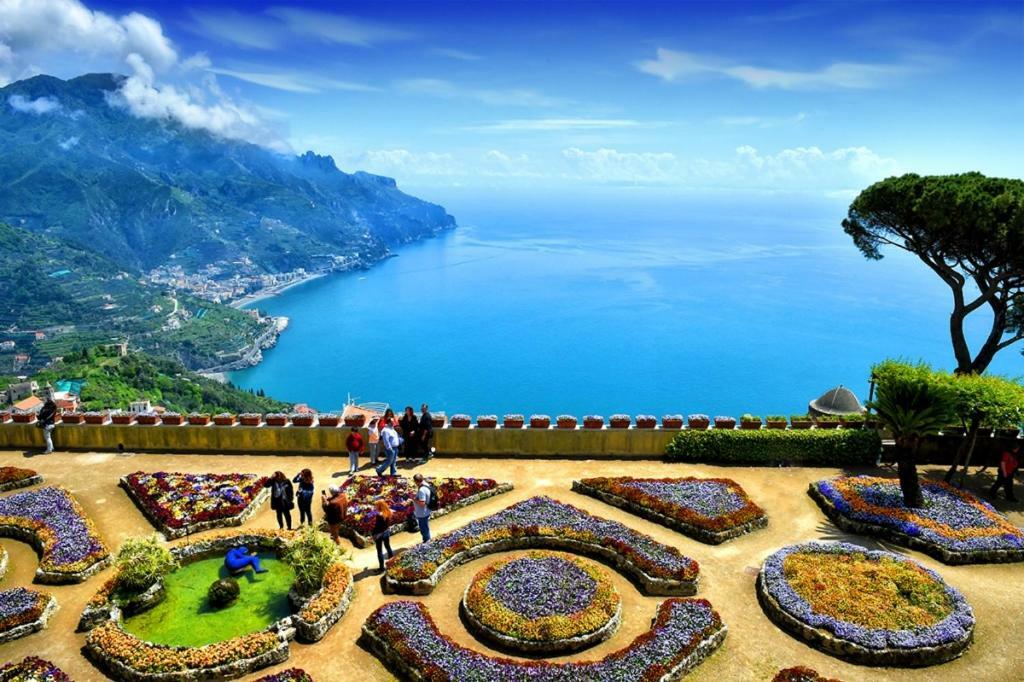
{"x":78,"y":165}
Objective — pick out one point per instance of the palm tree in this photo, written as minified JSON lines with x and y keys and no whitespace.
{"x":912,"y":408}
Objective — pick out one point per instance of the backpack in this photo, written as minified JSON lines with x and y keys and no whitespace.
{"x":433,"y":504}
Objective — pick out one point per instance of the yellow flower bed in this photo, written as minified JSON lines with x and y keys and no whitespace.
{"x":336,"y":582}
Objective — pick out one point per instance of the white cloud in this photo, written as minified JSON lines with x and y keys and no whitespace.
{"x":38,"y":106}
{"x":292,"y":81}
{"x":68,"y":143}
{"x":29,"y":27}
{"x":673,"y":65}
{"x":762,"y":121}
{"x":402,"y":162}
{"x":436,"y":87}
{"x":610,"y":165}
{"x":246,"y":30}
{"x":452,"y":53}
{"x":539,"y":124}
{"x":277,"y":26}
{"x":839,"y":167}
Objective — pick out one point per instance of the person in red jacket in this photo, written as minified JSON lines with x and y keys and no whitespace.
{"x":1004,"y":475}
{"x":354,"y":445}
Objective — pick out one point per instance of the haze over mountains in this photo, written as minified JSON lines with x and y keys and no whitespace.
{"x":146,"y":192}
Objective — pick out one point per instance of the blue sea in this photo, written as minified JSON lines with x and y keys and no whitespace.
{"x":632,"y":301}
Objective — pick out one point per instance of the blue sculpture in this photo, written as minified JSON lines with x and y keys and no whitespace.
{"x":239,"y":559}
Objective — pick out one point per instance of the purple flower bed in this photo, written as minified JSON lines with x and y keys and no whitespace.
{"x":32,"y":669}
{"x":69,"y":541}
{"x":405,"y":635}
{"x":951,"y":519}
{"x":545,"y":517}
{"x":955,"y":627}
{"x":707,"y":498}
{"x":564,"y":587}
{"x":19,"y":606}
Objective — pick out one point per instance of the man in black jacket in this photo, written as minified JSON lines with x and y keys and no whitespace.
{"x":426,"y":432}
{"x":47,"y":421}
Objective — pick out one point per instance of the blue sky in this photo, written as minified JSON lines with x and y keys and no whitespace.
{"x":761,"y":96}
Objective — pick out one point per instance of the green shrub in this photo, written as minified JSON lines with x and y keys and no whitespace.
{"x":310,"y":556}
{"x":773,"y":447}
{"x":141,"y":561}
{"x":222,"y":592}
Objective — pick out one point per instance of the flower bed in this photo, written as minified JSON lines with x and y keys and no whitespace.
{"x":542,"y":602}
{"x":23,"y":611}
{"x":290,"y":675}
{"x":179,"y":504}
{"x":32,"y":669}
{"x":12,"y":478}
{"x":954,"y":526}
{"x":52,"y":521}
{"x":541,"y":522}
{"x":126,"y":656}
{"x":868,"y":607}
{"x":800,"y":674}
{"x":404,"y":636}
{"x":363,"y":491}
{"x":771,"y":447}
{"x":711,"y":510}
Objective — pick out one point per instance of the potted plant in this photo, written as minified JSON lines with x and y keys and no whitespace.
{"x":672,"y":421}
{"x":303,"y":419}
{"x":24,"y":417}
{"x":460,"y":421}
{"x":801,"y":421}
{"x":646,"y":421}
{"x":147,"y":418}
{"x":566,"y":421}
{"x":198,"y":419}
{"x":513,"y":421}
{"x":329,"y":420}
{"x":776,"y":421}
{"x":698,"y":422}
{"x":71,"y":418}
{"x":852,"y":421}
{"x":250,"y":419}
{"x":122,"y":418}
{"x":357,"y":420}
{"x":593,"y":421}
{"x":826,"y":421}
{"x":172,"y":419}
{"x":96,"y":417}
{"x":5,"y":416}
{"x":224,"y":419}
{"x":750,"y":422}
{"x":1008,"y":431}
{"x":276,"y":419}
{"x":619,"y":421}
{"x":540,"y":421}
{"x":438,"y":419}
{"x":722,"y":422}
{"x":487,"y":421}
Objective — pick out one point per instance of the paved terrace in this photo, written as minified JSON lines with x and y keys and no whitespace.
{"x":753,"y":650}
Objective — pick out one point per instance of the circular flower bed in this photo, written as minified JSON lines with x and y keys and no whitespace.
{"x":542,"y":602}
{"x":868,"y":607}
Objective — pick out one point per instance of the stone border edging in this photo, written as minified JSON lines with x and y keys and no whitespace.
{"x":45,"y":577}
{"x":649,"y":584}
{"x":38,"y":624}
{"x":21,"y":483}
{"x":174,"y":533}
{"x":689,"y":530}
{"x":946,"y":556}
{"x":821,"y":639}
{"x":5,"y":560}
{"x":314,"y":631}
{"x":362,"y":541}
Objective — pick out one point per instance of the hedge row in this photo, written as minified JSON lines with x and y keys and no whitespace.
{"x":825,"y":447}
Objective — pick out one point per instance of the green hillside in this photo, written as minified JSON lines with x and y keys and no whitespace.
{"x":113,"y":382}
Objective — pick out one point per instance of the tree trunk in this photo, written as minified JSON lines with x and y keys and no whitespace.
{"x":910,"y":486}
{"x":963,"y":452}
{"x":961,"y":351}
{"x":972,"y":438}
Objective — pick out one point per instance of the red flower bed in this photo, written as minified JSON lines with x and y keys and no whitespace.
{"x":178,"y":500}
{"x":801,"y":674}
{"x":11,"y":474}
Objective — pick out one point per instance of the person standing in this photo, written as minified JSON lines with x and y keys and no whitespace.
{"x":421,"y":506}
{"x":410,"y":426}
{"x":426,"y":434}
{"x":282,"y":498}
{"x":373,"y":439}
{"x":382,"y":531}
{"x":334,"y":511}
{"x":1008,"y":464}
{"x":47,"y":421}
{"x":391,"y":441}
{"x":304,"y":496}
{"x":354,"y":445}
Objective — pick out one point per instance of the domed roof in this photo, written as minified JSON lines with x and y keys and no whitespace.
{"x":839,"y":400}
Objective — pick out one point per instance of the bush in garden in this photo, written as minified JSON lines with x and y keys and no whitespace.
{"x":222,"y":592}
{"x":141,"y":562}
{"x":310,"y":556}
{"x":772,"y":447}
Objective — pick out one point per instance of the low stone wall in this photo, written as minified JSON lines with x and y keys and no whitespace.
{"x":20,"y":483}
{"x":647,"y":583}
{"x":34,"y":626}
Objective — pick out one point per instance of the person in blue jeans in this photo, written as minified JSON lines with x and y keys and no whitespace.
{"x":391,"y":441}
{"x":421,"y":506}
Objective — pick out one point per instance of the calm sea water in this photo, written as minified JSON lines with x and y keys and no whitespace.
{"x":626,"y":302}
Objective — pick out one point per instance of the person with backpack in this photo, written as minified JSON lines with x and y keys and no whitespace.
{"x":425,"y":501}
{"x":47,"y":421}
